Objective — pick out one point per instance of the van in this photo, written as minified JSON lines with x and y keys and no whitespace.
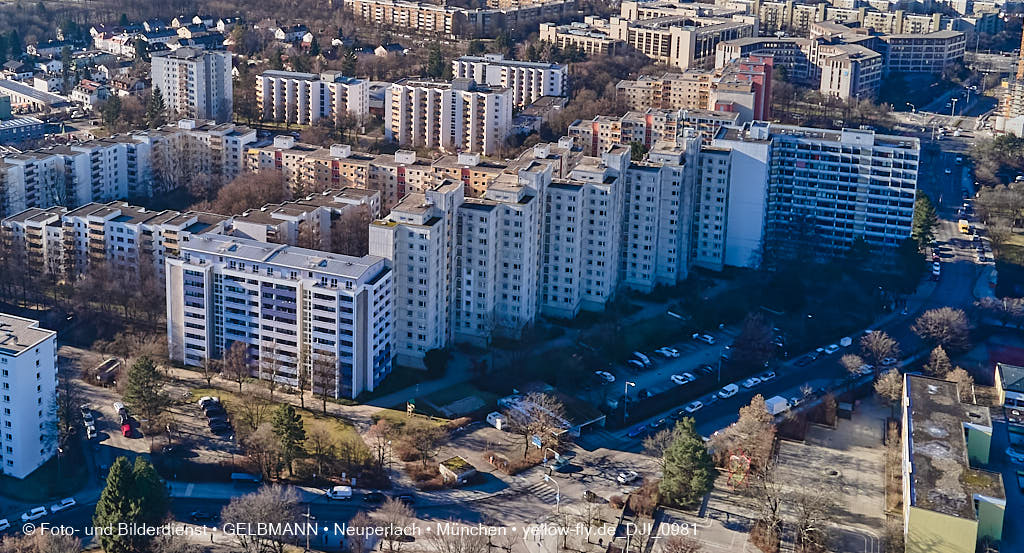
{"x":728,"y":391}
{"x":643,"y":358}
{"x":340,"y":492}
{"x":496,"y":420}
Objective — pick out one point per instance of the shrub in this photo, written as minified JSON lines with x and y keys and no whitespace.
{"x":458,"y":423}
{"x":616,"y":501}
{"x":420,"y":473}
{"x":766,"y":539}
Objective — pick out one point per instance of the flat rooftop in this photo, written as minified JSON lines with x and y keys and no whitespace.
{"x":941,"y":477}
{"x":18,"y":334}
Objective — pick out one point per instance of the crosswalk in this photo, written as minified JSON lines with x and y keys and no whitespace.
{"x":544,"y":491}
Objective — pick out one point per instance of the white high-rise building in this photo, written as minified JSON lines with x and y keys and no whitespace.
{"x":293,"y":309}
{"x":195,"y":83}
{"x":419,"y":239}
{"x":306,"y":98}
{"x":28,"y":375}
{"x":528,"y":80}
{"x":460,"y":116}
{"x":582,"y":235}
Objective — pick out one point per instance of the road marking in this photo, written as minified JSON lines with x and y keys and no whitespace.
{"x":188,"y":490}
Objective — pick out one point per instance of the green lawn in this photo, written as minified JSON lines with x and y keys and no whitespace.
{"x":54,"y":480}
{"x":400,"y":377}
{"x":459,"y":391}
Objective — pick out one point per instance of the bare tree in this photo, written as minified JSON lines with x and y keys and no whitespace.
{"x":892,"y":535}
{"x":249,"y":191}
{"x":236,"y":363}
{"x":379,"y":438}
{"x":458,"y":542}
{"x":877,"y":346}
{"x":767,"y":491}
{"x":656,"y":444}
{"x":753,"y":346}
{"x":753,"y":433}
{"x":813,"y":512}
{"x":324,"y":377}
{"x":254,"y":410}
{"x":350,"y":231}
{"x":270,"y":365}
{"x":889,"y":387}
{"x":964,"y":383}
{"x":271,"y":507}
{"x":322,"y":446}
{"x":209,"y":368}
{"x":264,"y":448}
{"x":682,"y":544}
{"x":425,"y":438}
{"x":536,"y":414}
{"x":1006,"y":310}
{"x":358,"y":541}
{"x":852,"y":363}
{"x":396,"y":519}
{"x":41,"y":542}
{"x":303,"y":368}
{"x":946,"y":327}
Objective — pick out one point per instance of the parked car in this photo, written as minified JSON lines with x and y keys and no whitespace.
{"x":706,"y":370}
{"x":728,"y":391}
{"x":200,"y":516}
{"x":406,"y":498}
{"x":207,"y":400}
{"x":636,"y":431}
{"x":340,"y":492}
{"x":711,"y":399}
{"x":767,"y":377}
{"x":667,"y":352}
{"x":751,"y":382}
{"x":684,"y":378}
{"x":34,"y":514}
{"x":656,"y":424}
{"x":86,"y":413}
{"x":795,"y":401}
{"x":1015,"y":456}
{"x":694,"y":406}
{"x":4,"y":525}
{"x":865,"y":369}
{"x":625,"y":477}
{"x":643,"y":358}
{"x":120,"y":410}
{"x":832,"y":348}
{"x":635,"y":365}
{"x":804,"y":361}
{"x":706,"y":338}
{"x":605,"y":375}
{"x":845,"y":341}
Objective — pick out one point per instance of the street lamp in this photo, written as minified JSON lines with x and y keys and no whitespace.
{"x":913,"y":108}
{"x":969,"y":89}
{"x":952,"y":110}
{"x":558,"y":490}
{"x":308,"y":517}
{"x":625,"y":399}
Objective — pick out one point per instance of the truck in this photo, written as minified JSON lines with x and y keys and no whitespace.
{"x":776,"y":404}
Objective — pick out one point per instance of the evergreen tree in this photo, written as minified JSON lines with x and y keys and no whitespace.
{"x":123,"y":20}
{"x":938,"y":363}
{"x":289,"y":430}
{"x":116,"y":505}
{"x":689,"y":472}
{"x":435,"y":62}
{"x":143,"y":389}
{"x":111,"y":111}
{"x":3,"y":49}
{"x":14,"y":43}
{"x":156,"y":110}
{"x":348,"y":62}
{"x":925,"y":219}
{"x":531,"y":53}
{"x":150,"y":492}
{"x":276,"y":63}
{"x":314,"y":47}
{"x":66,"y":69}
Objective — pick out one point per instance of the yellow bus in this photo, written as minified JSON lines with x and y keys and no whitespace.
{"x":964,"y":226}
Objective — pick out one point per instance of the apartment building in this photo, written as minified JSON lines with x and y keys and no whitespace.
{"x":459,"y":22}
{"x":930,"y":52}
{"x":460,"y":115}
{"x":827,"y":188}
{"x":948,"y":504}
{"x":681,"y":41}
{"x":133,"y":165}
{"x":850,"y":71}
{"x":306,"y":98}
{"x":581,"y":36}
{"x":28,"y":374}
{"x":582,"y":235}
{"x":293,"y":309}
{"x":742,"y":86}
{"x":419,"y":239}
{"x":657,"y":218}
{"x":796,"y":56}
{"x":645,"y":127}
{"x":195,"y":83}
{"x":528,"y":80}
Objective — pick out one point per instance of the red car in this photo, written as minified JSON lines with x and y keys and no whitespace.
{"x":126,"y":430}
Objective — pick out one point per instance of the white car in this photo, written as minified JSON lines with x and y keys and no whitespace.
{"x":66,"y":503}
{"x":831,"y":349}
{"x":34,"y":514}
{"x":767,"y":377}
{"x":948,"y":171}
{"x":728,"y":391}
{"x":4,"y":525}
{"x":684,"y":378}
{"x":706,"y":338}
{"x":751,"y":382}
{"x":627,"y":476}
{"x":605,"y":375}
{"x":668,"y":352}
{"x":693,"y":407}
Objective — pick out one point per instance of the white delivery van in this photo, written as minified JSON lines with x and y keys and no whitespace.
{"x":776,"y":404}
{"x":496,"y":420}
